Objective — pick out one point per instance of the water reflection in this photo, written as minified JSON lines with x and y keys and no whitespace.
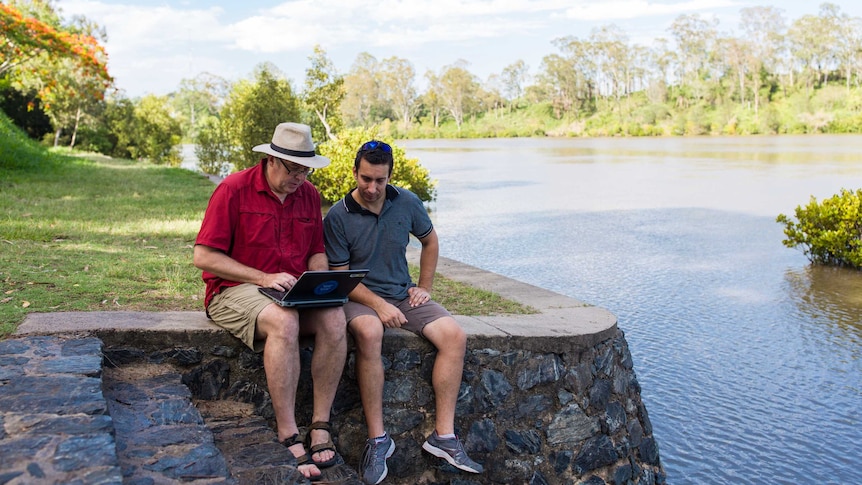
{"x":826,"y":151}
{"x":829,"y":296}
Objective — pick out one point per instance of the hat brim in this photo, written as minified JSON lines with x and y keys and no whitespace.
{"x":317,"y":161}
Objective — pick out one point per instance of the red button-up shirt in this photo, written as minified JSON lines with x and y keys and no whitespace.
{"x":249,"y":223}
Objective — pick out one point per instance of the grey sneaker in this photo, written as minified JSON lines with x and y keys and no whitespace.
{"x":373,"y":467}
{"x":452,"y":451}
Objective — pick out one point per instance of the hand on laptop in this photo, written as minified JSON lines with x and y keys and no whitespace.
{"x":279,"y":281}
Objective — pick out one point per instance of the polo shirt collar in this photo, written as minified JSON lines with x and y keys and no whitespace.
{"x":352,"y":206}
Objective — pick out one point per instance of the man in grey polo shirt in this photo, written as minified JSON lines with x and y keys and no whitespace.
{"x":370,"y":228}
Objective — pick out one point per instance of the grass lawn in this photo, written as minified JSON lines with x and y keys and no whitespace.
{"x":94,"y":233}
{"x":81,"y":234}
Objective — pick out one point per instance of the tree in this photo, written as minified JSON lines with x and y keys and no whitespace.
{"x":213,"y":148}
{"x":568,"y":79}
{"x":253,"y":109}
{"x":156,"y":132}
{"x":362,"y":90}
{"x":514,"y":77}
{"x":695,"y":39}
{"x":811,"y":38}
{"x":73,"y":99}
{"x":64,"y":65}
{"x":763,"y":28}
{"x":396,"y":82}
{"x":847,"y":47}
{"x":24,"y":38}
{"x":24,"y":110}
{"x":458,"y":90}
{"x":324,"y":92}
{"x":197,"y":100}
{"x":119,"y":123}
{"x":431,"y":100}
{"x":143,"y":129}
{"x":490,"y":95}
{"x":735,"y":53}
{"x":611,"y":51}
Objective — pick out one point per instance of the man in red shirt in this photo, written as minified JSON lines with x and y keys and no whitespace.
{"x":263,"y":228}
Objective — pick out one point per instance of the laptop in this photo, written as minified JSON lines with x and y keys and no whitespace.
{"x":318,"y":289}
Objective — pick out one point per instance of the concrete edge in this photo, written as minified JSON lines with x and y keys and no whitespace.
{"x":561,"y":321}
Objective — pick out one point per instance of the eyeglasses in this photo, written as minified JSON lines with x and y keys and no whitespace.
{"x":300,"y":172}
{"x":374,"y":145}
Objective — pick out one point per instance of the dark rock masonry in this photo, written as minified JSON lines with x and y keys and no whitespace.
{"x":530,"y":417}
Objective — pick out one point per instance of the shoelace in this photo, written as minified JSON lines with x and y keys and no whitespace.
{"x":372,"y":452}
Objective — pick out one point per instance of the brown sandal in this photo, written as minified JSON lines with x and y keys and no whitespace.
{"x":302,"y":459}
{"x":329,"y":445}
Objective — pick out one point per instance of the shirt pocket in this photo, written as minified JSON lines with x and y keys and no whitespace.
{"x":257,"y":229}
{"x":303,"y":230}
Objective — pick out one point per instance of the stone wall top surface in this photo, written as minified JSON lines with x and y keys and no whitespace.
{"x":558,"y":315}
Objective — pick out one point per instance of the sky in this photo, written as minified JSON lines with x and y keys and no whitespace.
{"x":154,"y":44}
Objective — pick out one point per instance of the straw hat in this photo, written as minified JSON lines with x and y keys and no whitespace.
{"x":292,"y":141}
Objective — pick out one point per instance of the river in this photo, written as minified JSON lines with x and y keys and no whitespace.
{"x":748,"y":357}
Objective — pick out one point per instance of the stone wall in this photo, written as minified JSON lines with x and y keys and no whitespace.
{"x":566,"y":414}
{"x":546,"y":398}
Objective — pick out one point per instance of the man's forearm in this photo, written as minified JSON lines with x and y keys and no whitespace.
{"x":427,"y":266}
{"x":362,"y":294}
{"x":225,"y":267}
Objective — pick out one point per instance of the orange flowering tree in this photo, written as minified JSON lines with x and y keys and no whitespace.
{"x":65,"y":67}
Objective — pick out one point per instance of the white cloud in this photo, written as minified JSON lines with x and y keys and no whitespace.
{"x":132,"y":27}
{"x":150,"y":49}
{"x":630,"y":9}
{"x":304,"y":23}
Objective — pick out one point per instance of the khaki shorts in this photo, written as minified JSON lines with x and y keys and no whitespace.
{"x":417,"y":317}
{"x":236,"y":309}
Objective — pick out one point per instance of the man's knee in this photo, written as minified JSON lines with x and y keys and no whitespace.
{"x":277,"y":322}
{"x":328,"y":322}
{"x":446,"y":331}
{"x":367,"y":332}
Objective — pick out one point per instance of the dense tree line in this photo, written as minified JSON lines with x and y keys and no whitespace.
{"x":772,"y":76}
{"x":696,"y":80}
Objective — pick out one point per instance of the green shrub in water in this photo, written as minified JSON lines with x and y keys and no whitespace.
{"x":828,"y":232}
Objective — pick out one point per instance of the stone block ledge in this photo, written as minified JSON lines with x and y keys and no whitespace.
{"x":580,"y":325}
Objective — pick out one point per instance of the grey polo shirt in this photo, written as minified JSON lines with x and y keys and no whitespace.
{"x":358,"y":238}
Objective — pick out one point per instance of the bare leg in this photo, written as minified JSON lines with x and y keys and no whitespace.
{"x":280,"y":328}
{"x":451,"y":342}
{"x":327,"y":363}
{"x":368,"y":334}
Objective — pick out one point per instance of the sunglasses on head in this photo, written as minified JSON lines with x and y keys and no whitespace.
{"x":375,"y":145}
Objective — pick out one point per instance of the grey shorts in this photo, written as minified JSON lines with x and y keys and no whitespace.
{"x":417,"y":317}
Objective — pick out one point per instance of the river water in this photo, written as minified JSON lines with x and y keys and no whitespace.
{"x":749,"y":358}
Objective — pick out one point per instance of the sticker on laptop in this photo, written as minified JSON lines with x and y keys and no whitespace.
{"x":326,"y":287}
